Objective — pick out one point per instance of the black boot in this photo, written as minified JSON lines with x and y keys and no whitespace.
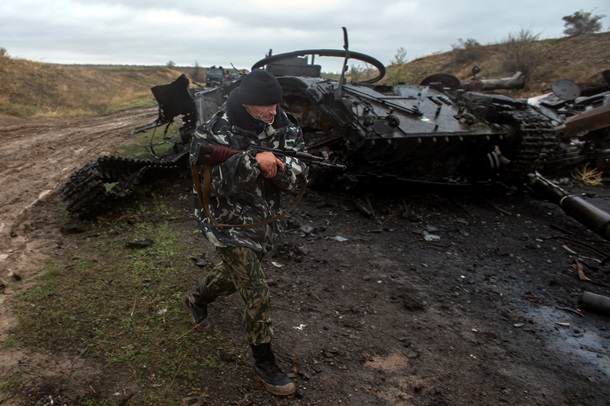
{"x":196,"y":302}
{"x":267,"y":371}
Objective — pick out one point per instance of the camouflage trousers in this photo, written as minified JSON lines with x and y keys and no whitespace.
{"x":241,"y":271}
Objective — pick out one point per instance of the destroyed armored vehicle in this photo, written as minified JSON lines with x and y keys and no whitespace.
{"x":439,"y":132}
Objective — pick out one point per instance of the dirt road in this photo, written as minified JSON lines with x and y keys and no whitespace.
{"x":36,"y":158}
{"x":431,"y":300}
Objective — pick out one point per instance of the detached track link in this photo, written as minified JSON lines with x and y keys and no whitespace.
{"x":100,"y":184}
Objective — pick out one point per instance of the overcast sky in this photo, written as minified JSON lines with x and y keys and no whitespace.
{"x":240,"y":32}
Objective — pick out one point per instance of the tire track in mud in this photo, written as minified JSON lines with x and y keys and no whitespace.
{"x":37,"y":157}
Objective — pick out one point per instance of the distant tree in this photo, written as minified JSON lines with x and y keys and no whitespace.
{"x":582,"y":22}
{"x":400,"y":57}
{"x":170,"y":64}
{"x":361,"y":72}
{"x":3,"y":52}
{"x":369,"y":70}
{"x":197,"y":73}
{"x":356,"y":72}
{"x":466,"y":51}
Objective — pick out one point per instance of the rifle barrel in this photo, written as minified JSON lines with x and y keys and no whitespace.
{"x":304,"y":156}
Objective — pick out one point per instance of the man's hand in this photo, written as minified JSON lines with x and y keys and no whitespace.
{"x":269,"y":164}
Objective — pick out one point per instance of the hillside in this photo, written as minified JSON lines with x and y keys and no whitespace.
{"x":32,"y":89}
{"x":579,"y":59}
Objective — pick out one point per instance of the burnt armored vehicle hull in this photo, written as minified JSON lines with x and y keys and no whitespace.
{"x":440,"y":132}
{"x":421,"y":133}
{"x":436,"y":132}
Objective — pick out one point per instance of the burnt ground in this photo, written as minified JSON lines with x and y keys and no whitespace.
{"x":400,"y":299}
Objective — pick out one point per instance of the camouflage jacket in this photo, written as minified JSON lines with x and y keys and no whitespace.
{"x":239,"y":192}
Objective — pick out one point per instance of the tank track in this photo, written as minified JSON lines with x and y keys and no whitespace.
{"x":102,"y":183}
{"x":538,"y":139}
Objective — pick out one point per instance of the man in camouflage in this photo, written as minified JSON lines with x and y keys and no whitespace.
{"x":246,"y":189}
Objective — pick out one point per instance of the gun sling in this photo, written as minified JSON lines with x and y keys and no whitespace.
{"x":204,"y":195}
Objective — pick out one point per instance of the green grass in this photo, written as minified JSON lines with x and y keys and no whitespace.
{"x":9,"y":342}
{"x":11,"y":383}
{"x":120,"y":308}
{"x":155,"y":141}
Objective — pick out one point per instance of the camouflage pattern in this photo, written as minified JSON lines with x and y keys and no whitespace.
{"x":239,"y":192}
{"x":241,"y":195}
{"x":241,"y":271}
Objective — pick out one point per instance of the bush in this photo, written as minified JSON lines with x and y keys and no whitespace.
{"x":466,"y":51}
{"x":520,"y":53}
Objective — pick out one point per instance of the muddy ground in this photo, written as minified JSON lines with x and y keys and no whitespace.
{"x":401,"y":299}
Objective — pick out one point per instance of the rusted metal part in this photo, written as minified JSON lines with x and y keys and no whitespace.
{"x":576,"y":207}
{"x":450,"y":82}
{"x":517,"y":81}
{"x":592,"y":119}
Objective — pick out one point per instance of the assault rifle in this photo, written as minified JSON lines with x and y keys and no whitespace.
{"x":214,"y":154}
